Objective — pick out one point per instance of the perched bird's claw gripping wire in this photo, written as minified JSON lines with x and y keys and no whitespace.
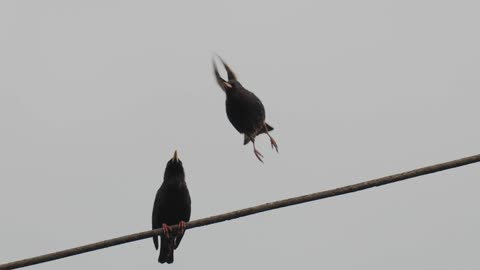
{"x":166,"y":230}
{"x":182,"y":227}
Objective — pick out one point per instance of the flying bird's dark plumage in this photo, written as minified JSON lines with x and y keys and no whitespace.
{"x":244,"y":109}
{"x":172,"y":206}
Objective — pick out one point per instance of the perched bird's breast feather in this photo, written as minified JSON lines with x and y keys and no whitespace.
{"x":172,"y":206}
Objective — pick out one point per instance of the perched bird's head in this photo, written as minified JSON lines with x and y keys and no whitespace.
{"x":174,"y":171}
{"x":232,"y":82}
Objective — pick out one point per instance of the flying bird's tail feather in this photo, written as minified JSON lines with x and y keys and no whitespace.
{"x":247,"y":139}
{"x":166,"y":251}
{"x":269,"y":128}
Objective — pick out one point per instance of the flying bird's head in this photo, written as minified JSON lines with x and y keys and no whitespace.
{"x":232,"y":83}
{"x":174,"y":171}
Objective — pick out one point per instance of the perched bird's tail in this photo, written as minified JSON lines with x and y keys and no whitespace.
{"x":246,"y":139}
{"x":166,"y":251}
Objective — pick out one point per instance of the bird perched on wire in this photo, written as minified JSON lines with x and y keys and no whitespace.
{"x":172,"y":206}
{"x":244,"y":109}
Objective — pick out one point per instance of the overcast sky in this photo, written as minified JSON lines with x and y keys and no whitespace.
{"x":96,"y":95}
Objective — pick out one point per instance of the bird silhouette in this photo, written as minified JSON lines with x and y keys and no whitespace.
{"x":172,"y":206}
{"x":244,"y":109}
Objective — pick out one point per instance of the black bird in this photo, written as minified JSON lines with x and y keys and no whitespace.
{"x":244,"y":109}
{"x":172,"y":206}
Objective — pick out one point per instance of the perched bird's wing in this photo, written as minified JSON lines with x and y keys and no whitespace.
{"x":185,"y":215}
{"x":157,"y":217}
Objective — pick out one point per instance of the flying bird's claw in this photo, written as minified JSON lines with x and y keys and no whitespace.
{"x":181,"y":227}
{"x":274,"y":144}
{"x":166,"y":229}
{"x":272,"y":140}
{"x":258,"y":155}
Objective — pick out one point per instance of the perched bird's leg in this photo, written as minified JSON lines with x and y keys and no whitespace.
{"x":181,"y":227}
{"x":272,"y":140}
{"x":255,"y":151}
{"x":166,"y":229}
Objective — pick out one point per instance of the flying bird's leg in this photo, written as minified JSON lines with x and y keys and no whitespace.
{"x":166,"y":229}
{"x":272,"y":140}
{"x":255,"y":151}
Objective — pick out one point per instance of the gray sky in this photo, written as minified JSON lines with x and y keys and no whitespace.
{"x":96,"y":95}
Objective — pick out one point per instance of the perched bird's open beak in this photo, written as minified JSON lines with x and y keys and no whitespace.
{"x":231,"y":76}
{"x":175,"y":156}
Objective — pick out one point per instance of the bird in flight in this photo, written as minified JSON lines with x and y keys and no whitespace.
{"x":244,"y":109}
{"x":172,"y":206}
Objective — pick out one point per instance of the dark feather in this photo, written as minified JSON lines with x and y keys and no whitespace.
{"x":172,"y":205}
{"x":244,"y":109}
